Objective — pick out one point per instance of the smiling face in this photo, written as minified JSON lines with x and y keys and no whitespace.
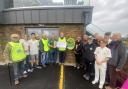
{"x":61,"y":34}
{"x":102,"y":44}
{"x":78,"y":39}
{"x":116,"y":37}
{"x":85,"y":38}
{"x":15,"y":37}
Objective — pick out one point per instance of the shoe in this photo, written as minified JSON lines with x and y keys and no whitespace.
{"x":44,"y":65}
{"x":17,"y":82}
{"x":25,"y":76}
{"x":108,"y":87}
{"x":25,"y":72}
{"x":100,"y":86}
{"x":38,"y":67}
{"x":78,"y":67}
{"x":94,"y":82}
{"x":74,"y":66}
{"x":29,"y":70}
{"x":86,"y":77}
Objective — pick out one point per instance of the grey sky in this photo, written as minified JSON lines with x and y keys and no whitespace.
{"x":111,"y":15}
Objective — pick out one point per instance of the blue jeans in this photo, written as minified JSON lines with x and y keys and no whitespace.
{"x":53,"y":56}
{"x":45,"y":57}
{"x":18,"y":68}
{"x":27,"y":64}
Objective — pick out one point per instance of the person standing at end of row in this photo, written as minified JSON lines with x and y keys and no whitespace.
{"x":14,"y":52}
{"x":119,"y":58}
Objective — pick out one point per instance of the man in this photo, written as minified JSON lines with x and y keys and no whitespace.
{"x":107,"y":37}
{"x":15,"y":53}
{"x":85,"y":56}
{"x":62,"y":50}
{"x":53,"y":49}
{"x":116,"y":63}
{"x":44,"y":46}
{"x":34,"y":51}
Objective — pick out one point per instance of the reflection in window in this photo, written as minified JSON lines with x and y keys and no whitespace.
{"x":27,"y":3}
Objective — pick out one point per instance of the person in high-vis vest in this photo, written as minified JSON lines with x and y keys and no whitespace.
{"x":62,"y":50}
{"x":14,"y":53}
{"x":44,"y":46}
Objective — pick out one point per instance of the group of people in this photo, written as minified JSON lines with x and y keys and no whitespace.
{"x":102,"y":57}
{"x":27,"y":53}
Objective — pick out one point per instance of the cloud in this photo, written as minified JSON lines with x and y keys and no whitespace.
{"x":111,"y":15}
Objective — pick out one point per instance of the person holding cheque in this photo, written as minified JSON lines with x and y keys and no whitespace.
{"x":61,"y":45}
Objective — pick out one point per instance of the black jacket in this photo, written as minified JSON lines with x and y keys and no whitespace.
{"x":78,"y":50}
{"x":88,"y":52}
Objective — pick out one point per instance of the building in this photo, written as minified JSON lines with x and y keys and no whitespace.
{"x":40,"y":19}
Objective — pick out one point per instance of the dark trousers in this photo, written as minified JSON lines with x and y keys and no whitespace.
{"x":62,"y":56}
{"x":53,"y":56}
{"x":40,"y":56}
{"x":89,"y":67}
{"x":112,"y":75}
{"x":78,"y":59}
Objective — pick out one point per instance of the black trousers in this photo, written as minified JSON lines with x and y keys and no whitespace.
{"x":62,"y":56}
{"x":78,"y":59}
{"x":90,"y":69}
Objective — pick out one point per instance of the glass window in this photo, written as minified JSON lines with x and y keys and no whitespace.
{"x":27,"y":3}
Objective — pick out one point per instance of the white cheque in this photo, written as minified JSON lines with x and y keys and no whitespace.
{"x":61,"y":45}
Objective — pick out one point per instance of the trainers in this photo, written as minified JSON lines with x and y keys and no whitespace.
{"x":78,"y":67}
{"x":44,"y":65}
{"x":94,"y":82}
{"x":38,"y":67}
{"x":25,"y":72}
{"x":86,"y":77}
{"x":100,"y":86}
{"x":29,"y":70}
{"x":17,"y":82}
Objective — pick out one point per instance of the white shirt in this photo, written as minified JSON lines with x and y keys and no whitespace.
{"x":102,"y":54}
{"x":34,"y":47}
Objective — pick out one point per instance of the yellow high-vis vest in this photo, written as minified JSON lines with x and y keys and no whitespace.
{"x":17,"y":52}
{"x":45,"y":44}
{"x":62,"y":40}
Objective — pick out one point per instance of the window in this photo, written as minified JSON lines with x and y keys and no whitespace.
{"x":27,"y":3}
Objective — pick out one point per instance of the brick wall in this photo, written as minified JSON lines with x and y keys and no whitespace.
{"x":7,"y":30}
